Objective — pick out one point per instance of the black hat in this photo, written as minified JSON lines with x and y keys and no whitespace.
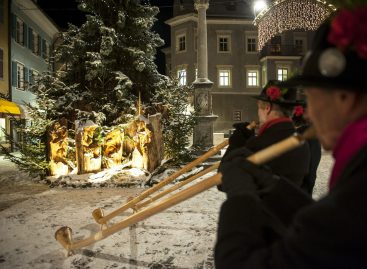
{"x":338,"y":57}
{"x":273,"y":93}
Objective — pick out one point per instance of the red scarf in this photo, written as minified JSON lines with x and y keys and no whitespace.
{"x":269,"y":123}
{"x":350,"y":142}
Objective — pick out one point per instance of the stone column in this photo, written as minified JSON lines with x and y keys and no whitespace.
{"x":203,"y":131}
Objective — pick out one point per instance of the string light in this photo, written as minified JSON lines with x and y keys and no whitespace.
{"x":285,"y":15}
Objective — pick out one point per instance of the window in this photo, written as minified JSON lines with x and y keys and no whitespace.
{"x":19,"y":37}
{"x":33,"y":76}
{"x":251,"y":44}
{"x":181,"y":43}
{"x":36,"y":45}
{"x":299,"y":46}
{"x":282,"y":73}
{"x":224,"y":77}
{"x":237,"y":115}
{"x":252,"y":78}
{"x":196,"y":73}
{"x":1,"y":64}
{"x":2,"y":11}
{"x":181,"y":76}
{"x":20,"y":76}
{"x":2,"y":129}
{"x":224,"y":44}
{"x":275,"y":45}
{"x":44,"y":49}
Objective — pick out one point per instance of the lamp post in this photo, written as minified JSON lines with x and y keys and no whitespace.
{"x":259,"y":5}
{"x":203,"y":131}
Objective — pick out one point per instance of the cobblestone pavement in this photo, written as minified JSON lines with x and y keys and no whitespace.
{"x":182,"y":236}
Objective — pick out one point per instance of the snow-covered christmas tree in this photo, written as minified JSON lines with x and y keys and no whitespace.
{"x":102,"y":68}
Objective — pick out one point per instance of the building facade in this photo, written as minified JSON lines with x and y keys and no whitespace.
{"x":25,"y":47}
{"x":32,"y":37}
{"x":235,"y":66}
{"x":6,"y":107}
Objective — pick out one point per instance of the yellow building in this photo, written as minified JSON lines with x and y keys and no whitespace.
{"x":4,"y":47}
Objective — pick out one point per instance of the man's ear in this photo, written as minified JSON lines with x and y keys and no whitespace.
{"x":346,"y":101}
{"x":268,"y":108}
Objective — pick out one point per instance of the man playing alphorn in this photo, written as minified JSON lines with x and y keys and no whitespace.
{"x":331,"y":232}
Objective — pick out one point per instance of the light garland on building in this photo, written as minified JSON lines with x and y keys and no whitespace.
{"x":284,"y":15}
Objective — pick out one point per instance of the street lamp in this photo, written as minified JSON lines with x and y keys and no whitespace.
{"x":259,"y":5}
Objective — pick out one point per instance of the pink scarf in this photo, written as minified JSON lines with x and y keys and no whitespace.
{"x":351,"y":141}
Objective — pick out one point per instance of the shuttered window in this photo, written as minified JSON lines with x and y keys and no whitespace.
{"x":1,"y":64}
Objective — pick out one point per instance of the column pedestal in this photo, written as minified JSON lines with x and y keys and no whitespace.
{"x":203,"y":131}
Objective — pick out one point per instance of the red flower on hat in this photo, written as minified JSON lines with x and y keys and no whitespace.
{"x":348,"y":31}
{"x":298,"y":111}
{"x":361,"y":40}
{"x":344,"y":28}
{"x":273,"y":93}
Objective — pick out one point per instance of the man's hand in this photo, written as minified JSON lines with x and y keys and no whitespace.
{"x":240,"y":176}
{"x":243,"y":131}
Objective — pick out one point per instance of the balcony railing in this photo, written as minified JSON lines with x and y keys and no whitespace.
{"x":281,"y":50}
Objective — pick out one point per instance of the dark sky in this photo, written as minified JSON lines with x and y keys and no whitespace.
{"x":62,"y":12}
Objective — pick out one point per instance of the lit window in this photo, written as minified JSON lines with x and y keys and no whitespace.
{"x":252,"y":78}
{"x":19,"y":32}
{"x":224,"y":78}
{"x":20,"y":76}
{"x":282,"y":74}
{"x":196,"y":73}
{"x":181,"y":76}
{"x":181,"y":43}
{"x":251,"y":44}
{"x":2,"y":129}
{"x":223,"y":44}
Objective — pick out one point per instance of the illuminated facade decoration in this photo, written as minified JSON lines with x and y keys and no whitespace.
{"x":285,"y":15}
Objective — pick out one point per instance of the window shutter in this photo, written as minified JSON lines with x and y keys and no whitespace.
{"x":25,"y":34}
{"x":30,"y":38}
{"x":25,"y":78}
{"x":39,"y":45}
{"x":1,"y":64}
{"x":25,"y":74}
{"x":44,"y":49}
{"x":13,"y":25}
{"x":30,"y":77}
{"x":14,"y":74}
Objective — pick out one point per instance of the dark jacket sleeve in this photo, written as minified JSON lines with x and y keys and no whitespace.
{"x":240,"y":136}
{"x":330,"y":233}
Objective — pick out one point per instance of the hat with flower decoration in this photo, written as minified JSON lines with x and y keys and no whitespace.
{"x":273,"y":93}
{"x":338,"y":57}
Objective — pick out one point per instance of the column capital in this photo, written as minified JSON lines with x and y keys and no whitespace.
{"x":199,"y":4}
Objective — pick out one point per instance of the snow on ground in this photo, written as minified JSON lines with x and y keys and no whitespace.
{"x":182,"y":236}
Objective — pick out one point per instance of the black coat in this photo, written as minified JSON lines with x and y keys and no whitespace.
{"x":330,"y":233}
{"x":315,"y":157}
{"x":293,"y":165}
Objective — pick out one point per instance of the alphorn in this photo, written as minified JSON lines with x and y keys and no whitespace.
{"x":134,"y":203}
{"x":64,"y":234}
{"x":98,"y":214}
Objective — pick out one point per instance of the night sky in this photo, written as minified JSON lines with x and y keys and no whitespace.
{"x":65,"y":11}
